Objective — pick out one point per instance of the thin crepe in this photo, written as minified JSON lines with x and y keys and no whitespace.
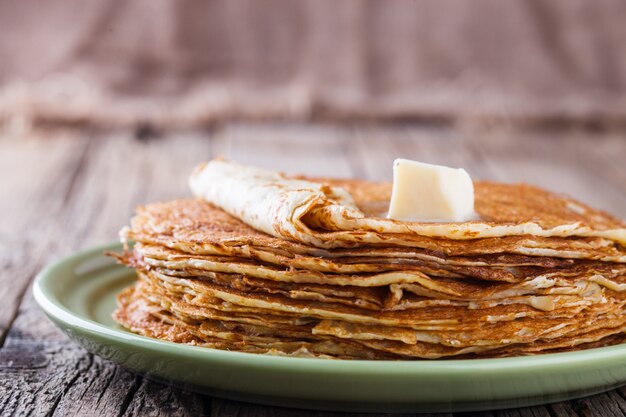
{"x":146,"y":317}
{"x":326,"y":214}
{"x":199,"y":228}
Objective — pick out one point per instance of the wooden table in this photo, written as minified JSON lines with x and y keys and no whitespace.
{"x":66,"y":191}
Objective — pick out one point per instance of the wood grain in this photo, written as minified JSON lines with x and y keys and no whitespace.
{"x":76,"y":189}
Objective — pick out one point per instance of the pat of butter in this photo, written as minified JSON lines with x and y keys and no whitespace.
{"x":432,"y":193}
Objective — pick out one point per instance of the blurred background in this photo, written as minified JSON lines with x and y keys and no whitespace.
{"x":182,"y":64}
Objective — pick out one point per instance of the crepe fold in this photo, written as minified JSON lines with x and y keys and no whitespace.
{"x":264,"y":263}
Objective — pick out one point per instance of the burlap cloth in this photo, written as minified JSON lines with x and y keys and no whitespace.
{"x":187,"y":63}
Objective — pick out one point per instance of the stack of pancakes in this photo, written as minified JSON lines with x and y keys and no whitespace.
{"x":265,"y":263}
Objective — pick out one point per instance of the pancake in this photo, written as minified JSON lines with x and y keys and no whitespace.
{"x":437,"y":317}
{"x":181,"y":264}
{"x":193,"y":301}
{"x":364,"y":274}
{"x":147,"y":318}
{"x":546,"y":292}
{"x":324,"y":215}
{"x":523,"y":330}
{"x":197,"y":227}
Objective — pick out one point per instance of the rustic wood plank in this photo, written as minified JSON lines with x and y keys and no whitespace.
{"x":154,"y":399}
{"x":562,"y":409}
{"x":221,"y":407}
{"x":37,"y":176}
{"x":565,"y":164}
{"x":476,"y":414}
{"x":608,"y":404}
{"x":537,"y":411}
{"x":54,"y":373}
{"x":102,"y":387}
{"x":378,"y":147}
{"x":124,"y":173}
{"x":610,"y":154}
{"x":50,"y":363}
{"x":295,"y":149}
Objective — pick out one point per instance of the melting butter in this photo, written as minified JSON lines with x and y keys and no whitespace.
{"x":430,"y":193}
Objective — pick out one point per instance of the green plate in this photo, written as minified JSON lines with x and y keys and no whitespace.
{"x":78,"y":294}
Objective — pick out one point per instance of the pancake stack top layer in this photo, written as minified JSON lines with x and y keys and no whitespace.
{"x":264,"y":263}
